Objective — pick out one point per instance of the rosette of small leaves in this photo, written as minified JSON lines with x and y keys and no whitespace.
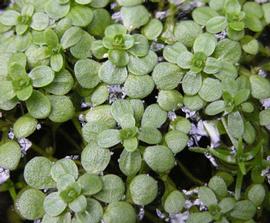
{"x":23,"y":20}
{"x":119,"y":45}
{"x":135,"y":125}
{"x":73,"y":198}
{"x":230,"y":16}
{"x":221,"y":207}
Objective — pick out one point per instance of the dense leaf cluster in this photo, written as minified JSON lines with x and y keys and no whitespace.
{"x":146,"y":82}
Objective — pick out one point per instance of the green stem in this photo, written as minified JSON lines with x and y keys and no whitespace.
{"x":188,"y":174}
{"x":152,"y":217}
{"x":234,"y":142}
{"x":40,"y":151}
{"x":12,"y":193}
{"x":238,"y":185}
{"x":77,"y":125}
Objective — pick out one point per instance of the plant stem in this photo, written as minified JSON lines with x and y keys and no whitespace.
{"x":238,"y":185}
{"x":152,"y":217}
{"x":188,"y":174}
{"x":40,"y":151}
{"x":77,"y":125}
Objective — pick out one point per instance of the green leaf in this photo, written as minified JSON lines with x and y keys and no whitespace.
{"x":143,"y":65}
{"x":202,"y":217}
{"x":115,"y":29}
{"x":169,"y":100}
{"x":232,"y":6}
{"x":213,"y":66}
{"x":138,"y":108}
{"x":250,"y":45}
{"x":266,"y":12}
{"x":141,"y":46}
{"x":184,"y":59}
{"x":9,"y":17}
{"x":143,"y":189}
{"x":153,"y":116}
{"x":174,"y":202}
{"x":236,"y":125}
{"x":62,"y":167}
{"x":249,"y":133}
{"x":41,"y":76}
{"x":202,"y":15}
{"x":108,"y":138}
{"x":120,"y":211}
{"x":152,"y":29}
{"x":83,"y":48}
{"x":216,"y":24}
{"x":101,"y":20}
{"x":226,"y":204}
{"x":228,"y":50}
{"x":218,"y":185}
{"x":40,"y":21}
{"x":129,"y":2}
{"x":79,"y":204}
{"x":62,"y":108}
{"x":86,"y":72}
{"x":92,"y":214}
{"x":186,"y":32}
{"x":120,"y":108}
{"x":54,"y":205}
{"x":176,"y":140}
{"x":29,"y":204}
{"x":94,"y":159}
{"x":191,"y":83}
{"x":256,"y":194}
{"x":80,"y":15}
{"x":120,"y":58}
{"x":10,"y":155}
{"x":24,"y":126}
{"x":207,"y":196}
{"x":138,"y":86}
{"x":101,"y":114}
{"x":159,"y":158}
{"x":193,"y":103}
{"x":113,"y":189}
{"x":56,"y":10}
{"x":181,"y":124}
{"x":243,"y":210}
{"x":99,"y":3}
{"x":57,"y":62}
{"x":253,"y":8}
{"x":62,"y":83}
{"x":167,"y":76}
{"x":210,"y":90}
{"x":171,"y":52}
{"x":100,"y":95}
{"x":6,"y":91}
{"x":253,"y":23}
{"x":264,"y":117}
{"x":71,"y":37}
{"x":90,"y":183}
{"x":111,"y":74}
{"x":130,"y":162}
{"x":215,"y":107}
{"x":149,"y":135}
{"x":134,"y":17}
{"x":260,"y":87}
{"x":130,"y":144}
{"x":205,"y":43}
{"x":37,"y":173}
{"x":38,"y":105}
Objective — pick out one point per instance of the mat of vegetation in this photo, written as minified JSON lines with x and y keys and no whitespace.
{"x":134,"y":111}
